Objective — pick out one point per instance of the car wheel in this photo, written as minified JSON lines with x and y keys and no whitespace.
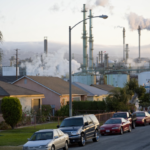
{"x":144,"y":122}
{"x":133,"y":125}
{"x":121,"y":131}
{"x":66,"y":146}
{"x":129,"y":129}
{"x":53,"y":147}
{"x":96,"y":136}
{"x":82,"y":143}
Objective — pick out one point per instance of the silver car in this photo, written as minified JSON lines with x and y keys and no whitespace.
{"x":47,"y":140}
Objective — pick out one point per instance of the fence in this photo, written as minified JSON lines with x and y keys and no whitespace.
{"x":102,"y":117}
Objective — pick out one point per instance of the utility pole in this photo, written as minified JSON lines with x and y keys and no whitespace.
{"x":16,"y":64}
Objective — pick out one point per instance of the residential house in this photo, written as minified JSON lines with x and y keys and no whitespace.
{"x":94,"y":94}
{"x":55,"y":89}
{"x":29,"y":99}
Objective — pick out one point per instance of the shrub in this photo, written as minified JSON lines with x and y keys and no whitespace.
{"x":63,"y":111}
{"x":12,"y":110}
{"x":46,"y":110}
{"x":4,"y":126}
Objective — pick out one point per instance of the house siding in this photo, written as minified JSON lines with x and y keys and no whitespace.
{"x":51,"y":98}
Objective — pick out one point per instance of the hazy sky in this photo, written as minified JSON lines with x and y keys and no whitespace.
{"x":31,"y":20}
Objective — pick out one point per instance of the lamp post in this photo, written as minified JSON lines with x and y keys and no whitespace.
{"x":70,"y":90}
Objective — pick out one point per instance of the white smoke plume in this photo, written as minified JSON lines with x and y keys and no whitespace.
{"x":50,"y":65}
{"x":102,"y":3}
{"x":134,"y":21}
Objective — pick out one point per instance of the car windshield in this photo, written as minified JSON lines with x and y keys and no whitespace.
{"x":120,"y":115}
{"x":113,"y":121}
{"x":140,"y":114}
{"x":72,"y":122}
{"x":41,"y":136}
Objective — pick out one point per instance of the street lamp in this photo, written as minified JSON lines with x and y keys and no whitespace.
{"x":70,"y":92}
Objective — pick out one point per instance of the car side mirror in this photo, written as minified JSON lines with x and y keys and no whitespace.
{"x":86,"y":123}
{"x":56,"y":137}
{"x":58,"y":126}
{"x":28,"y":139}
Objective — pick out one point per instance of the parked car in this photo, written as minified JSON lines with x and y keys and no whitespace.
{"x":149,"y":112}
{"x":81,"y":128}
{"x":143,"y":117}
{"x":47,"y":140}
{"x":115,"y":126}
{"x":126,"y":115}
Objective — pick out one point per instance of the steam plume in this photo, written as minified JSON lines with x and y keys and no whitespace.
{"x":134,"y":21}
{"x":50,"y":65}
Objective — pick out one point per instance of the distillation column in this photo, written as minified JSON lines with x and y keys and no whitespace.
{"x":124,"y":44}
{"x":84,"y":66}
{"x":90,"y":42}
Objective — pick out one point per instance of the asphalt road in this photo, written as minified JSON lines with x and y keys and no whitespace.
{"x":138,"y":139}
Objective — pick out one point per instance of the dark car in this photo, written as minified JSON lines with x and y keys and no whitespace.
{"x":149,"y":112}
{"x":81,"y":128}
{"x":126,"y":115}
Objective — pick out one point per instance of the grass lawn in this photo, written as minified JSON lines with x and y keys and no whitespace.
{"x":19,"y":136}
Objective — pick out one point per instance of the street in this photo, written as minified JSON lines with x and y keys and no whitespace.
{"x":138,"y":139}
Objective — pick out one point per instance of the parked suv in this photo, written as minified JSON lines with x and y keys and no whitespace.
{"x":126,"y":115}
{"x":81,"y":128}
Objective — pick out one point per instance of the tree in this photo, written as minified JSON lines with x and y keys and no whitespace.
{"x":12,"y":110}
{"x":140,"y":91}
{"x":132,"y":85}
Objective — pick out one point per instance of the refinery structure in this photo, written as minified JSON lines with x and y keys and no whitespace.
{"x":104,"y":70}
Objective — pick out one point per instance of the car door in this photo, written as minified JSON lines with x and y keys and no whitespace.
{"x":61,"y":138}
{"x":87,"y":127}
{"x":124,"y":125}
{"x":56,"y":140}
{"x":147,"y":116}
{"x":91,"y":127}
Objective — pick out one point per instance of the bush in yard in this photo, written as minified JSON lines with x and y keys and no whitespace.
{"x":4,"y":126}
{"x":46,"y":110}
{"x":63,"y":111}
{"x":12,"y":110}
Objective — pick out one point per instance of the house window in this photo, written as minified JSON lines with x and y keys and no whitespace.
{"x":36,"y":104}
{"x":25,"y":81}
{"x":78,"y":98}
{"x":0,"y":106}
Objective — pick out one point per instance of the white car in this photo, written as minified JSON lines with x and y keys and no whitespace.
{"x":50,"y":139}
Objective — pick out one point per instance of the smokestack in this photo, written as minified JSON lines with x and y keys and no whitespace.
{"x":101,"y":57}
{"x":90,"y":41}
{"x":127,"y":52}
{"x":45,"y":45}
{"x":87,"y":61}
{"x":106,"y":60}
{"x":139,"y":31}
{"x":123,"y":43}
{"x":84,"y":67}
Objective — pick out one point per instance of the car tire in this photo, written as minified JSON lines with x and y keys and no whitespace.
{"x":144,"y":123}
{"x":96,"y":136}
{"x":121,"y":131}
{"x":82,"y":142}
{"x":66,"y":146}
{"x":53,"y":147}
{"x":129,"y":129}
{"x":133,"y":125}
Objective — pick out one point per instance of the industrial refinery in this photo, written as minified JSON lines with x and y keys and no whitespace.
{"x":102,"y":71}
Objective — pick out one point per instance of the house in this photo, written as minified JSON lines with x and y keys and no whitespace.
{"x":9,"y":79}
{"x":103,"y":87}
{"x":55,"y":89}
{"x":29,"y":99}
{"x":94,"y":94}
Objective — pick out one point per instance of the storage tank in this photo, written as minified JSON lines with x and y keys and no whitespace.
{"x":143,"y":78}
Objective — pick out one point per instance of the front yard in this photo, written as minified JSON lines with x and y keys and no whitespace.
{"x":19,"y":136}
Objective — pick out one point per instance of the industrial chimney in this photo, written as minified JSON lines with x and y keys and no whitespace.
{"x":84,"y":66}
{"x":101,"y":57}
{"x":139,"y":31}
{"x":45,"y":45}
{"x":123,"y":43}
{"x":90,"y":41}
{"x":127,"y":52}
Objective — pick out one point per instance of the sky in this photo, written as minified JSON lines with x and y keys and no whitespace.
{"x":24,"y":23}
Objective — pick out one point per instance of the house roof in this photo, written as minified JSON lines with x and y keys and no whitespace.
{"x":7,"y":89}
{"x":103,"y":87}
{"x":9,"y":79}
{"x":92,"y":91}
{"x":55,"y":84}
